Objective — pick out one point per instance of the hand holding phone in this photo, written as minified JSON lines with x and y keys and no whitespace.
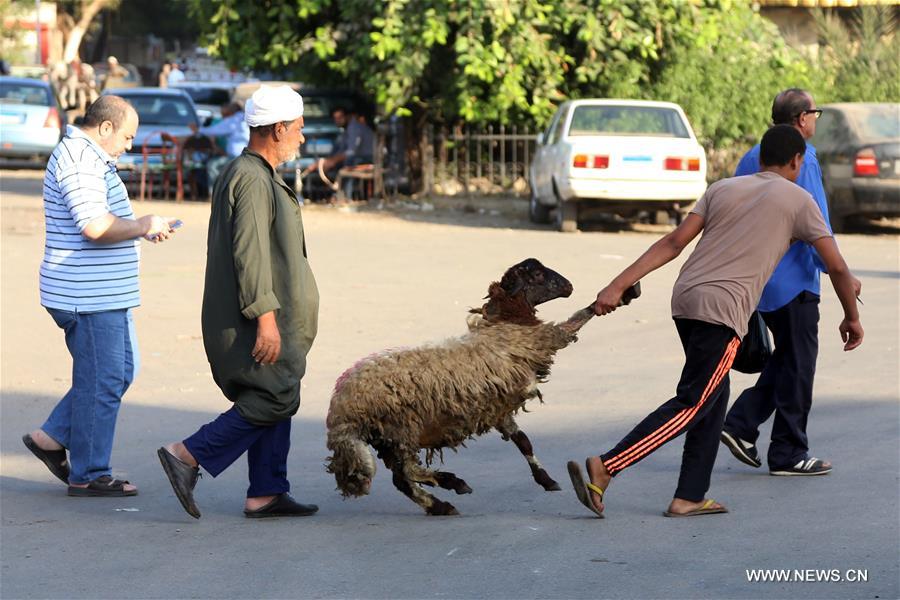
{"x":173,"y":225}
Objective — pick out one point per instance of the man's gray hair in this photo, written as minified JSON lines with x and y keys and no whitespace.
{"x":790,"y":104}
{"x":107,"y":108}
{"x":266,"y":130}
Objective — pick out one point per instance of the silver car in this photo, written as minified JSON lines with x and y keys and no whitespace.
{"x":31,"y":119}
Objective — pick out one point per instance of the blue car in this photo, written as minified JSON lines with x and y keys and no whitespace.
{"x":31,"y":119}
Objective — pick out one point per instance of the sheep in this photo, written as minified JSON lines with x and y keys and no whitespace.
{"x":435,"y":397}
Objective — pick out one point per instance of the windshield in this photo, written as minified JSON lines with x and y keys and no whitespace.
{"x":621,"y":120}
{"x":208,"y":95}
{"x":877,"y":120}
{"x":23,"y":93}
{"x":162,"y":110}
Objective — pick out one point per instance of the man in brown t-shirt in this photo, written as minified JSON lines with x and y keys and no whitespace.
{"x":748,"y":224}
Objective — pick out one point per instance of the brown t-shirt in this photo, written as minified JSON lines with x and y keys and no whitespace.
{"x":749,"y":223}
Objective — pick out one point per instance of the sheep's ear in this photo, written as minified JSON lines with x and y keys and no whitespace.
{"x":512,"y":282}
{"x":494,"y":290}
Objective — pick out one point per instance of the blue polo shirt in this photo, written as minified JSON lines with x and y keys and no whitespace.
{"x":799,"y":269}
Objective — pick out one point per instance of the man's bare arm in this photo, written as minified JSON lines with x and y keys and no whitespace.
{"x":847,"y":288}
{"x":110,"y":229}
{"x":664,"y":250}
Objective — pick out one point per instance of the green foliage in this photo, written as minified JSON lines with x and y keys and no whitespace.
{"x":513,"y":61}
{"x":12,"y":46}
{"x":726,"y":72}
{"x":861,"y":60}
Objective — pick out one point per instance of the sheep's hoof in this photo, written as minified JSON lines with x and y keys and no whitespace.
{"x":546,"y":482}
{"x":441,"y":509}
{"x":462,"y":488}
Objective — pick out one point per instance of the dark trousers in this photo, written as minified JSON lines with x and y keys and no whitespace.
{"x":698,"y":408}
{"x":785,"y":386}
{"x":221,"y":442}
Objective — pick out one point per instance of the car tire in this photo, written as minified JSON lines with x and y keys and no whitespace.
{"x":537,"y":212}
{"x":567,"y":216}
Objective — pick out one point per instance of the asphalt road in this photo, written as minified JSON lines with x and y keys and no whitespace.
{"x":398,"y":278}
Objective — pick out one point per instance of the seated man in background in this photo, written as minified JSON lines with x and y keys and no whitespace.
{"x":234,"y":130}
{"x":355,"y":146}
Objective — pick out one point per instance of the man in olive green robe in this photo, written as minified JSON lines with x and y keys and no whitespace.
{"x":259,"y":318}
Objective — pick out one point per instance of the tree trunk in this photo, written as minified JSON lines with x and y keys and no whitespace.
{"x":76,"y":35}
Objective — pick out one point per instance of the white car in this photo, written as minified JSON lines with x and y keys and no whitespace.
{"x":616,"y":156}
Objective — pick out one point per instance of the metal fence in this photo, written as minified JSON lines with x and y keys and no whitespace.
{"x":494,"y":160}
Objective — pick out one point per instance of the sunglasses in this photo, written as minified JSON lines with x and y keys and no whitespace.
{"x":815,"y":111}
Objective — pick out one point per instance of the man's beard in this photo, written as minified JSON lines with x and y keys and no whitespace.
{"x":287,"y":154}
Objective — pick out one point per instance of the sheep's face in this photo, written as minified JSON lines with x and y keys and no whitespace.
{"x":537,"y":282}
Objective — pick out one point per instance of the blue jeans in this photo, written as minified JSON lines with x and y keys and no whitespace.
{"x":221,"y":442}
{"x":104,"y":362}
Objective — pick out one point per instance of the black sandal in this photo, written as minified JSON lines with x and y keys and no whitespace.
{"x":55,"y":460}
{"x":104,"y":486}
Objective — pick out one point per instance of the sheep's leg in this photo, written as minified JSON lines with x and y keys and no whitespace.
{"x":405,"y":471}
{"x":510,"y":431}
{"x":444,"y":479}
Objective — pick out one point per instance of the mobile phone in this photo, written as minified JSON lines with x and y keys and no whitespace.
{"x":173,"y":225}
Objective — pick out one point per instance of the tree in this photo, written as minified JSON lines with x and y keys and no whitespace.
{"x":74,"y":19}
{"x":12,"y":47}
{"x":860,"y":60}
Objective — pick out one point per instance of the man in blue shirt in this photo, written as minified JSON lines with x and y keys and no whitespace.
{"x":234,"y":129}
{"x":790,"y":307}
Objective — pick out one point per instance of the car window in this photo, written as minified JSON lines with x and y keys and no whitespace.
{"x":207,"y":95}
{"x":162,"y":110}
{"x":826,"y":127}
{"x":625,"y":120}
{"x":23,"y":93}
{"x":557,"y":131}
{"x":552,"y":126}
{"x":878,"y":121}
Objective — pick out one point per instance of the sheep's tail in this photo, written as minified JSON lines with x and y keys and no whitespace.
{"x":351,"y":462}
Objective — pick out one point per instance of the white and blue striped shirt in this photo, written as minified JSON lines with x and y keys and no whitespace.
{"x":78,"y":275}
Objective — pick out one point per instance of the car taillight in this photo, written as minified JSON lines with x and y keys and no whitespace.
{"x":865,"y":165}
{"x":52,"y":119}
{"x":680,"y":163}
{"x":599,"y":161}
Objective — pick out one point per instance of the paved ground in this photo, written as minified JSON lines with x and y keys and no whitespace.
{"x":397,"y":278}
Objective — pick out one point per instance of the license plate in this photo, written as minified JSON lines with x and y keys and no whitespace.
{"x":637,"y":159}
{"x":897,"y":167}
{"x":11,"y":118}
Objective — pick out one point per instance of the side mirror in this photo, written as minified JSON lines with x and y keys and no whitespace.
{"x":207,"y":121}
{"x":540,"y":139}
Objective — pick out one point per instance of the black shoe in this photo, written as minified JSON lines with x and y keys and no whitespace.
{"x":743,"y":451}
{"x":808,"y":466}
{"x":282,"y":506}
{"x":55,"y":460}
{"x":183,"y":478}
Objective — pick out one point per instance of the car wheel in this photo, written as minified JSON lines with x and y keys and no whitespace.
{"x":567,"y":216}
{"x":537,"y":212}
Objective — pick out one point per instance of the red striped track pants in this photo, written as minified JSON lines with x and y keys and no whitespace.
{"x":698,"y":408}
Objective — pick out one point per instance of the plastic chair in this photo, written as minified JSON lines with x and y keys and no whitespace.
{"x":162,"y":161}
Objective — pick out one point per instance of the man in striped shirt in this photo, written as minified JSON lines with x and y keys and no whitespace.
{"x":89,"y":284}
